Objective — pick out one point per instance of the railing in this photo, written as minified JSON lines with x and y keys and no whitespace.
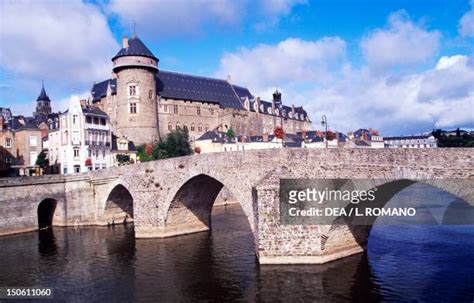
{"x":97,"y":143}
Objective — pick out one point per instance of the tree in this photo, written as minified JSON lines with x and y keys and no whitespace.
{"x":42,"y":161}
{"x":123,"y":159}
{"x":230,"y":133}
{"x":175,"y":144}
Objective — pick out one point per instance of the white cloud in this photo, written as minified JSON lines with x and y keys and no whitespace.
{"x":170,"y":17}
{"x":401,"y":43}
{"x":183,"y":17}
{"x":317,"y":75}
{"x":290,"y":61}
{"x":68,"y":42}
{"x":466,"y":24}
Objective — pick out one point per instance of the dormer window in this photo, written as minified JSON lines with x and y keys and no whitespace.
{"x":269,"y":110}
{"x":246,"y":104}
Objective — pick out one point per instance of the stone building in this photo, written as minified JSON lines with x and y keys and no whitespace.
{"x":145,"y":103}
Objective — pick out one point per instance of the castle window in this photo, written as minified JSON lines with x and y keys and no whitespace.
{"x":165,"y":108}
{"x":132,"y":90}
{"x":175,"y":109}
{"x":207,"y":127}
{"x":212,"y":111}
{"x":193,"y":127}
{"x":150,"y":94}
{"x":89,"y":119}
{"x":170,"y":126}
{"x":178,"y":127}
{"x":200,"y":127}
{"x":8,"y":142}
{"x":198,"y":110}
{"x":133,"y":108}
{"x":185,"y":126}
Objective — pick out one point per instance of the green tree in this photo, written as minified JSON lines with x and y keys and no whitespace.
{"x":230,"y":133}
{"x":175,"y":144}
{"x":42,"y":161}
{"x":123,"y":159}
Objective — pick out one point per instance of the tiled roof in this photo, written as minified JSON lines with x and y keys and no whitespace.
{"x":135,"y":48}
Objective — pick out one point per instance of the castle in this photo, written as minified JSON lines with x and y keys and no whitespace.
{"x":145,"y":103}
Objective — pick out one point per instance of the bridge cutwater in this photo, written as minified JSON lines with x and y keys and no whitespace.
{"x":174,"y":197}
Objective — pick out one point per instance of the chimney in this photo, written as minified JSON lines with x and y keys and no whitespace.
{"x":21,"y":119}
{"x":303,"y":134}
{"x":1,"y":122}
{"x":293,"y":109}
{"x":265,"y":137}
{"x":124,"y":42}
{"x":83,"y":102}
{"x":229,"y":79}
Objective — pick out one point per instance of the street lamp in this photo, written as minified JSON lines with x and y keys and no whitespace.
{"x":324,"y":123}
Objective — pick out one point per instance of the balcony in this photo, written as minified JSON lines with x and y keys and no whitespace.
{"x":76,"y":142}
{"x":99,"y":144}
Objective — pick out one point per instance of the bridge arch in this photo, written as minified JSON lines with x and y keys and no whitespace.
{"x":46,"y":210}
{"x":118,"y":206}
{"x":190,"y":207}
{"x":360,"y":230}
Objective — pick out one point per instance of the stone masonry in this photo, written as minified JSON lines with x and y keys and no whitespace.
{"x":175,"y":196}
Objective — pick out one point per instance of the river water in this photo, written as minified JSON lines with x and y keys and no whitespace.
{"x":409,"y":263}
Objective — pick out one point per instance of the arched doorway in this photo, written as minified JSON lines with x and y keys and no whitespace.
{"x":46,"y":213}
{"x":119,"y":206}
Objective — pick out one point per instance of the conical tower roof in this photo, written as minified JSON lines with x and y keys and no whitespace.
{"x":43,"y":96}
{"x":135,"y":48}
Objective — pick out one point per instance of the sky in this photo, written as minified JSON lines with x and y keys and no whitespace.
{"x":403,"y":67}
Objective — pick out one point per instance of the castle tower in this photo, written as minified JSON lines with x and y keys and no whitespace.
{"x":43,"y":103}
{"x":135,"y":68}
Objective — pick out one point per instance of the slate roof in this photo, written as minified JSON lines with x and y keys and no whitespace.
{"x":407,"y":137}
{"x":135,"y":48}
{"x":181,"y":86}
{"x":15,"y":125}
{"x":43,"y":96}
{"x":189,"y":87}
{"x":91,"y":110}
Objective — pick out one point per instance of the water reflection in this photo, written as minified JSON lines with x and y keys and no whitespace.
{"x":93,"y":264}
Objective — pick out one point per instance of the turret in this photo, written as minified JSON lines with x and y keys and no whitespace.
{"x":135,"y":68}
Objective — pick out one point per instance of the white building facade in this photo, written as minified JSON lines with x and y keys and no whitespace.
{"x":418,"y":141}
{"x":85,"y":136}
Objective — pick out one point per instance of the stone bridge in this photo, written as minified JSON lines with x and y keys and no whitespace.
{"x":175,"y":196}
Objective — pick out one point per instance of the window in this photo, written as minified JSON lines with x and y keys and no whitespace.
{"x":103,"y":154}
{"x":89,"y":119}
{"x":90,"y":153}
{"x":133,"y":108}
{"x":212,"y":111}
{"x":170,"y":126}
{"x":177,"y":126}
{"x":198,"y":110}
{"x":185,"y":126}
{"x":8,"y":142}
{"x":193,"y":127}
{"x":8,"y":160}
{"x":74,"y":119}
{"x":33,"y":141}
{"x":150,"y":94}
{"x":77,"y":168}
{"x":76,"y":154}
{"x":33,"y":156}
{"x":132,"y":90}
{"x":102,"y":121}
{"x":165,"y":108}
{"x":200,"y":127}
{"x":175,"y":109}
{"x":207,"y":127}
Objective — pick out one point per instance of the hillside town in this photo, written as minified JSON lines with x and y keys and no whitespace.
{"x":141,"y":104}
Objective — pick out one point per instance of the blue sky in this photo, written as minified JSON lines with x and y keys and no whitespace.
{"x":400,"y":66}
